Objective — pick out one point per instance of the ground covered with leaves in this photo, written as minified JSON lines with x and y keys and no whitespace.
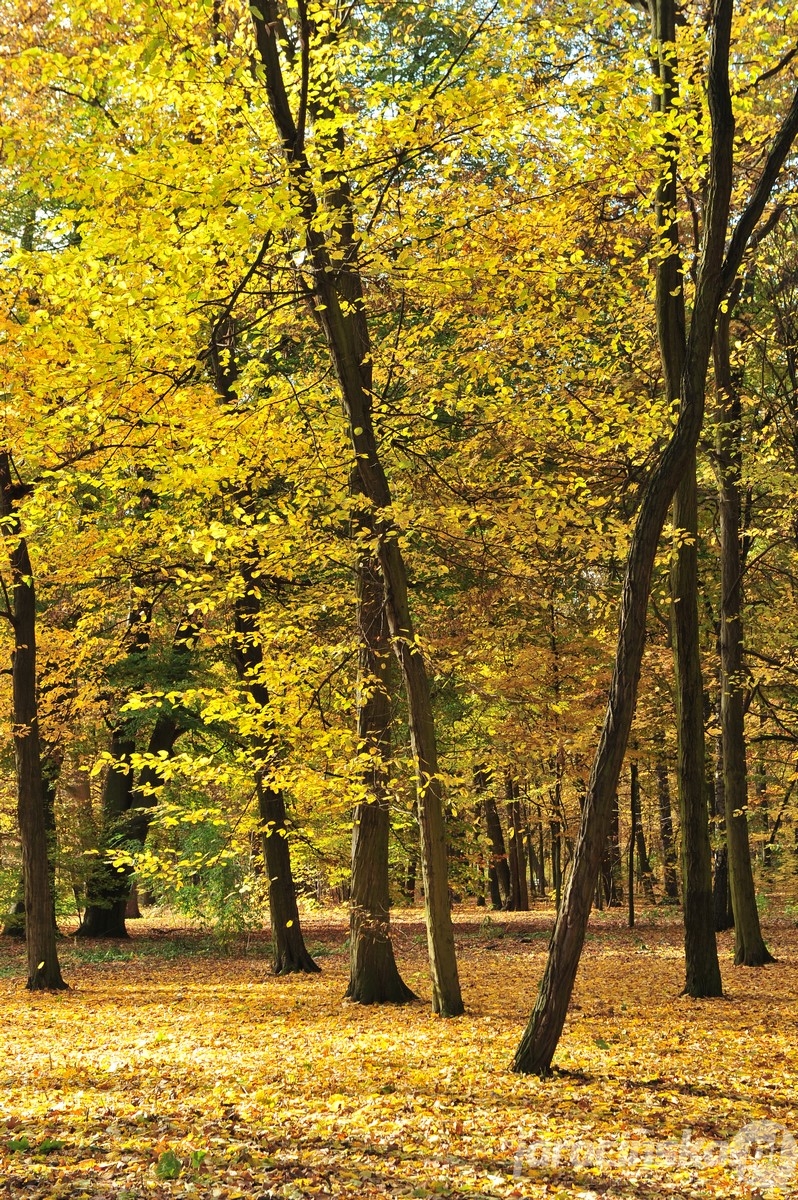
{"x":176,"y":1066}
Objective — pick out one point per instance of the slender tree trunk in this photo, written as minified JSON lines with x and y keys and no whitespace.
{"x":373,"y":974}
{"x":336,"y":290}
{"x":749,"y":945}
{"x":556,"y":862}
{"x":519,"y":897}
{"x":498,"y":867}
{"x":613,"y":867}
{"x":721,"y":892}
{"x":670,"y":880}
{"x":634,"y":815}
{"x":44,"y":971}
{"x":700,"y":947}
{"x":290,"y":954}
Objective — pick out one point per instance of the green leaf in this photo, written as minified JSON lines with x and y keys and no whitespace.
{"x":169,"y":1165}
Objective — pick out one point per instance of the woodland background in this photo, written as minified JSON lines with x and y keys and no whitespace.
{"x":342,"y":350}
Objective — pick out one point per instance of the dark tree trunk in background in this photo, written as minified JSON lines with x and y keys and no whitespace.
{"x":670,"y":880}
{"x":44,"y":971}
{"x":749,"y":945}
{"x":290,"y":954}
{"x":108,"y":887}
{"x":556,"y":862}
{"x":611,"y":861}
{"x":702,"y":971}
{"x":721,"y":892}
{"x":133,"y":912}
{"x":519,"y":896}
{"x":373,"y":974}
{"x":634,"y":818}
{"x":498,"y":867}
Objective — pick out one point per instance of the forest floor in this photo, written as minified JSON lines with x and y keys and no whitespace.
{"x":176,"y":1066}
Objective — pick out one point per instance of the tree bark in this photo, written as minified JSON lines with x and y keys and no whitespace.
{"x":749,"y":945}
{"x":498,"y":867}
{"x":702,"y":970}
{"x":373,"y":975}
{"x":44,"y":971}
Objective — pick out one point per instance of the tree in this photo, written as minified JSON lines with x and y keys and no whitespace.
{"x":749,"y":945}
{"x":336,"y":292}
{"x":716,"y":271}
{"x":44,"y":971}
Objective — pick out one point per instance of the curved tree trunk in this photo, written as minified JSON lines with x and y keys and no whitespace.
{"x":542,"y":1034}
{"x":44,"y":971}
{"x":373,"y":975}
{"x":749,"y":945}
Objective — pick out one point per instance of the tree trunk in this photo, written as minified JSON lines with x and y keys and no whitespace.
{"x":44,"y":971}
{"x":519,"y":896}
{"x":556,"y":862}
{"x":700,"y":947}
{"x":713,"y":277}
{"x":373,"y":974}
{"x":288,"y":945}
{"x":634,"y":815}
{"x":108,"y":887}
{"x":721,"y":892}
{"x":749,"y":945}
{"x":132,"y":911}
{"x":670,"y":880}
{"x":336,"y":290}
{"x":611,"y":862}
{"x":498,"y":867}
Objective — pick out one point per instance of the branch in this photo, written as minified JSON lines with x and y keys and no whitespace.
{"x":743,"y":232}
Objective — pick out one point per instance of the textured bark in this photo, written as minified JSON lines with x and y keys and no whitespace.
{"x":44,"y":971}
{"x":749,"y":945}
{"x":702,"y":970}
{"x":373,"y":975}
{"x":336,"y":292}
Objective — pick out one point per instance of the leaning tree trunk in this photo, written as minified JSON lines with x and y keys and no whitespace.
{"x":714,"y":277}
{"x":749,"y":945}
{"x":44,"y":971}
{"x":335,"y":291}
{"x":702,"y":970}
{"x":373,"y":975}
